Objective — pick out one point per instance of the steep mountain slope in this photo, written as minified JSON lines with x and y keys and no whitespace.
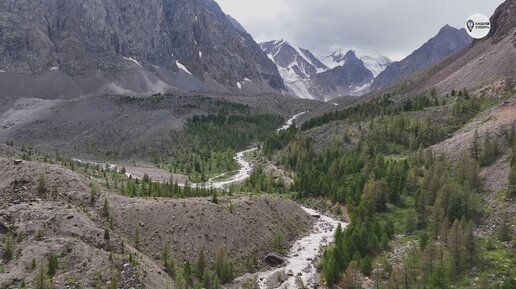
{"x":296,"y":66}
{"x":127,"y":46}
{"x":445,"y":43}
{"x":237,"y":24}
{"x":486,"y":66}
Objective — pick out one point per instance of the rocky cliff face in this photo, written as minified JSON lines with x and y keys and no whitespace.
{"x":448,"y":41}
{"x":94,"y":41}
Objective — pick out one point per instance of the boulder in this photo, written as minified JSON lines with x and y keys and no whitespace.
{"x":275,"y":259}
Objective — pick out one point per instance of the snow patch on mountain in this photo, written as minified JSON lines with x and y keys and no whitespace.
{"x":132,"y":60}
{"x":182,"y":67}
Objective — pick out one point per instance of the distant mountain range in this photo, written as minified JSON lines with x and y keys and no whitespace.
{"x":351,"y":72}
{"x":54,"y":49}
{"x":323,"y":77}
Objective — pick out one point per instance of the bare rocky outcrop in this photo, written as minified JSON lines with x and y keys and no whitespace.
{"x":126,"y":46}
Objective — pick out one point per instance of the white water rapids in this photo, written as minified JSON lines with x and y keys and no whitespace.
{"x":303,"y":254}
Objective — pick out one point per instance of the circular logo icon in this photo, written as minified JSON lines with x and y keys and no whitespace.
{"x":478,"y":26}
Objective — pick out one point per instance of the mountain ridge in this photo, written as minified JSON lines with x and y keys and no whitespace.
{"x":309,"y":76}
{"x":125,"y":46}
{"x":446,"y":42}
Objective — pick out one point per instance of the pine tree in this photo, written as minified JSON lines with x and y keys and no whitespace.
{"x":40,"y":282}
{"x":504,"y":234}
{"x":489,"y":151}
{"x":223,"y":268}
{"x":214,"y":197}
{"x":429,"y":259}
{"x":470,"y":243}
{"x":33,"y":263}
{"x":187,"y":273}
{"x":351,"y":275}
{"x":200,"y":265}
{"x":474,"y":148}
{"x":105,"y":209}
{"x":52,"y":265}
{"x":106,"y":234}
{"x":421,"y":209}
{"x":376,"y":193}
{"x":456,"y":248}
{"x":330,"y":269}
{"x":8,"y":243}
{"x":277,"y":241}
{"x":42,"y":185}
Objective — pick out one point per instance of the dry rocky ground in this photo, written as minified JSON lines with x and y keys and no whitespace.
{"x":62,"y":221}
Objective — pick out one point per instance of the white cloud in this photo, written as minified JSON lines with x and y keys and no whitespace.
{"x":392,"y":27}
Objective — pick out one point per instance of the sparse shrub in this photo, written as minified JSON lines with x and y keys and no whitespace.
{"x":19,"y":237}
{"x":93,"y":193}
{"x":105,"y":209}
{"x":42,"y":186}
{"x":33,"y":264}
{"x":8,"y":247}
{"x":214,"y":197}
{"x":40,"y":282}
{"x":39,"y":235}
{"x":251,"y":262}
{"x":277,"y":241}
{"x":106,"y":234}
{"x":122,"y":247}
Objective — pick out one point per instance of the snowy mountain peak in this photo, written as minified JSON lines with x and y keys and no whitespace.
{"x":343,"y":72}
{"x":296,"y":60}
{"x":374,"y":62}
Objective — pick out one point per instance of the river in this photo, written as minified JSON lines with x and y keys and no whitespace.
{"x":303,"y":255}
{"x":245,"y":166}
{"x":302,"y":258}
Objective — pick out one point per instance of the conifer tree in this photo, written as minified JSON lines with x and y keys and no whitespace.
{"x":456,"y":248}
{"x":105,"y":209}
{"x":40,"y":282}
{"x":106,"y":234}
{"x":200,"y":266}
{"x":474,"y":148}
{"x":8,"y":243}
{"x":52,"y":265}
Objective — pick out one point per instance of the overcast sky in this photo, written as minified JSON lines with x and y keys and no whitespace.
{"x":391,"y":27}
